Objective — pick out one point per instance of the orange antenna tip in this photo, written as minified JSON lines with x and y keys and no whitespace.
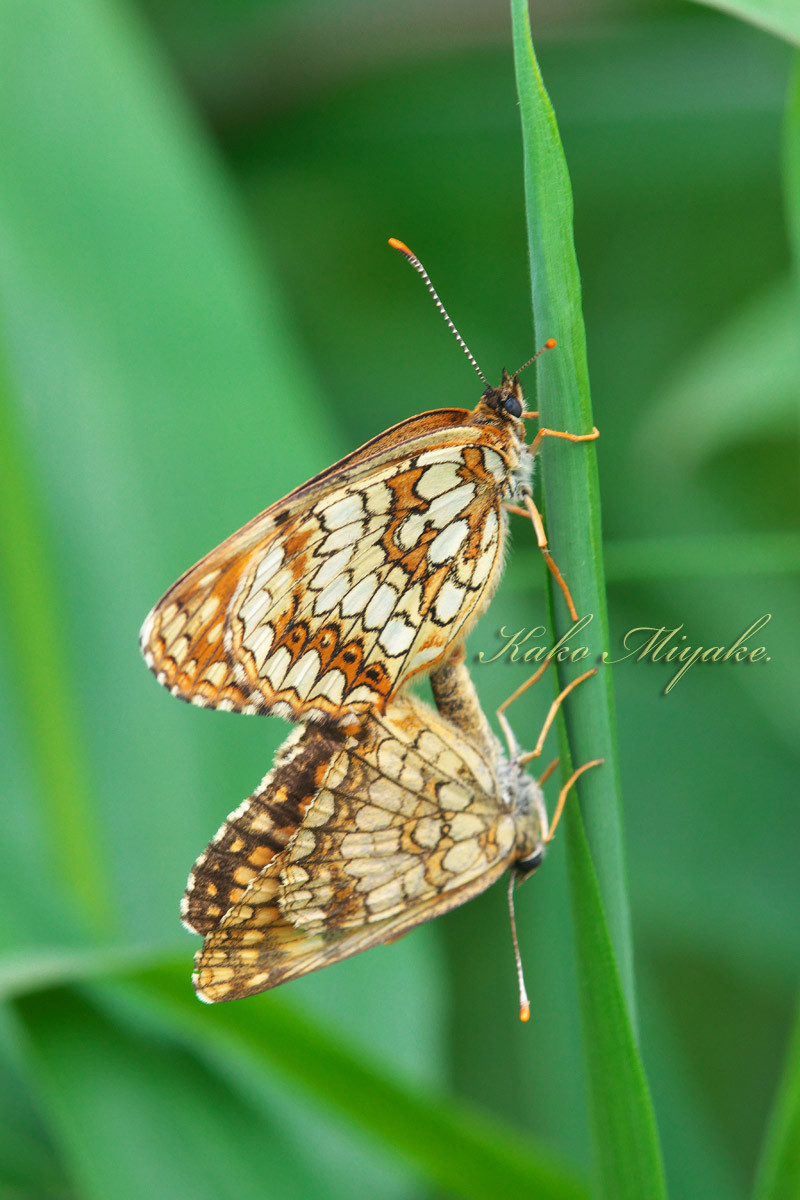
{"x":524,"y":1004}
{"x":396,"y":244}
{"x":550,"y":344}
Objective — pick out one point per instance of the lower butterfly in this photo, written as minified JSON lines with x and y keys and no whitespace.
{"x":324,"y":606}
{"x":354,"y":839}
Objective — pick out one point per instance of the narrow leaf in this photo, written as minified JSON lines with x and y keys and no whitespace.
{"x":628,"y":1157}
{"x":791,"y":167}
{"x":44,"y":674}
{"x":779,"y":1169}
{"x":781,"y":17}
{"x":136,"y":1116}
{"x":570,"y":478}
{"x":459,"y":1150}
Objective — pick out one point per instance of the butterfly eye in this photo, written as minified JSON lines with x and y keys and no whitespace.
{"x":524,"y":866}
{"x":513,"y":406}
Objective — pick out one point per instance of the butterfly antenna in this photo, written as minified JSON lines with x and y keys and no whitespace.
{"x":417,"y":265}
{"x":524,"y":1003}
{"x":550,"y":344}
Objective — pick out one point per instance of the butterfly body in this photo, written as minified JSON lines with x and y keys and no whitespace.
{"x":325,"y":605}
{"x":405,"y":819}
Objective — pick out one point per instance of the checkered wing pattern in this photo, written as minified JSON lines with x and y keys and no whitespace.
{"x":349,"y":842}
{"x":327,"y":603}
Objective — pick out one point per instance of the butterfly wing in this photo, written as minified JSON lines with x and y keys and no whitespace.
{"x":329,"y":601}
{"x":406,"y":823}
{"x":260,"y":828}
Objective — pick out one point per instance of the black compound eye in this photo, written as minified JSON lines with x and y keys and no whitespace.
{"x":525,"y":865}
{"x":513,"y":406}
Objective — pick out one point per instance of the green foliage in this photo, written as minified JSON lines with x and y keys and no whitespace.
{"x":198,"y":311}
{"x":777,"y":16}
{"x":779,"y":1170}
{"x":571,"y":487}
{"x":626,"y":1142}
{"x":461,"y":1152}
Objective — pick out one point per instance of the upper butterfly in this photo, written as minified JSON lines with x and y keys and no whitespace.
{"x":329,"y":602}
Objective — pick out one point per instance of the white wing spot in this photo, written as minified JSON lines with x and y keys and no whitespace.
{"x":443,"y":454}
{"x":448,"y":601}
{"x":462,"y":856}
{"x":380,"y":607}
{"x":437,"y":479}
{"x":359,"y":596}
{"x":465,"y":825}
{"x":330,"y":596}
{"x":261,"y":644}
{"x":378,"y":499}
{"x":276,"y":667}
{"x":411,"y":530}
{"x":447,"y":544}
{"x":495,"y":465}
{"x":453,"y":797}
{"x":304,"y":674}
{"x":489,"y":529}
{"x":427,"y":833}
{"x":268,"y":565}
{"x":342,"y":512}
{"x":397,"y":636}
{"x":331,"y":686}
{"x":483,"y":566}
{"x":444,"y":508}
{"x":332,"y":567}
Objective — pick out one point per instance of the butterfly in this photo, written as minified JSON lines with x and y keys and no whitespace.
{"x":355,"y":838}
{"x":324,"y":606}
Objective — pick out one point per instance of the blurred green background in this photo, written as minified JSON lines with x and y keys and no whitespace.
{"x":198,"y":310}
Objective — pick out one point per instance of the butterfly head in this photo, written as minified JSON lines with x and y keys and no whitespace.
{"x":507,"y":399}
{"x":526,"y":800}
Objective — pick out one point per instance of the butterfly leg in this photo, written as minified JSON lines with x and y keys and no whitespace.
{"x":508,"y":733}
{"x":562,"y":795}
{"x":551,"y":715}
{"x":532,"y":511}
{"x":543,"y":778}
{"x":541,"y":434}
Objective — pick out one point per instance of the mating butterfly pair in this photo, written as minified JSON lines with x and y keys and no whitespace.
{"x":379,"y":813}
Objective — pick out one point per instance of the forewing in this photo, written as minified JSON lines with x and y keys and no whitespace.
{"x":325,"y":605}
{"x":407,"y":824}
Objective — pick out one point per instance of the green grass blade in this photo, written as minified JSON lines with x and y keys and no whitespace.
{"x":781,"y":17}
{"x":38,"y":659}
{"x":457,"y":1149}
{"x":35,"y":970}
{"x":779,"y":1169}
{"x":570,"y":477}
{"x":137,"y":1116}
{"x":628,"y":1157}
{"x":791,"y":167}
